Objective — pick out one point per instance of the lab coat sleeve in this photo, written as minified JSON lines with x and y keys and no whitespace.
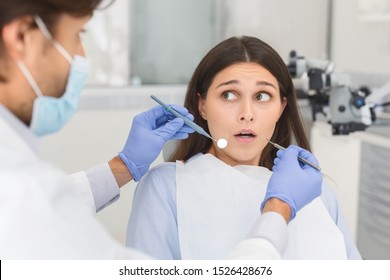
{"x":97,"y":186}
{"x":152,"y":226}
{"x":267,"y":239}
{"x":46,"y":218}
{"x":330,"y":201}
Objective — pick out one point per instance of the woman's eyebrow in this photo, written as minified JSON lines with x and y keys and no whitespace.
{"x":228,"y":83}
{"x":264,"y":83}
{"x":258,"y":83}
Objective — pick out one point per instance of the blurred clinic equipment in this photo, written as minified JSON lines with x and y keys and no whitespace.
{"x":330,"y":93}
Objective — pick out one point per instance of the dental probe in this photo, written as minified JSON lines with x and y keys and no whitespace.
{"x":299,"y":157}
{"x":222,"y":143}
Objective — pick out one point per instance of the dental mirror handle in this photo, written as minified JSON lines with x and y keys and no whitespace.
{"x":186,"y":120}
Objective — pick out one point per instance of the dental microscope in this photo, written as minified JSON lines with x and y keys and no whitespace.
{"x":330,"y":94}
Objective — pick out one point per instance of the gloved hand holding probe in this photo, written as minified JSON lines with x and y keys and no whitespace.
{"x":294,"y":182}
{"x":149,"y":132}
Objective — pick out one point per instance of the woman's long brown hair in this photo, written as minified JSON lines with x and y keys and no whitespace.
{"x":232,"y":51}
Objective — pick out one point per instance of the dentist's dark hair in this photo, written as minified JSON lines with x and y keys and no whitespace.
{"x":48,"y":10}
{"x":229,"y":52}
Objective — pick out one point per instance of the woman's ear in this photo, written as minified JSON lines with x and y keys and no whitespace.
{"x":284,"y":104}
{"x":14,"y":36}
{"x":201,"y":107}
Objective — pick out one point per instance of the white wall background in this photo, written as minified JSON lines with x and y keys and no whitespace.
{"x":360,"y":44}
{"x":169,"y":38}
{"x":285,"y":25}
{"x":107,"y":43}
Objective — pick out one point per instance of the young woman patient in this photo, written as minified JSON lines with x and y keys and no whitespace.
{"x":203,"y":202}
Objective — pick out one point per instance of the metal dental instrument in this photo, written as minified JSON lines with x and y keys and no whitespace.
{"x":186,"y":120}
{"x":300,"y":158}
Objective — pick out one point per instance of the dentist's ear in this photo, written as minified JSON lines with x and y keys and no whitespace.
{"x":201,"y":107}
{"x":15,"y":35}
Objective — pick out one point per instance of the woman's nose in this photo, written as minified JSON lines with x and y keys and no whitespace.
{"x":246,"y":114}
{"x":248,"y":117}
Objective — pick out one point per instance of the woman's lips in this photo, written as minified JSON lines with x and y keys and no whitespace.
{"x":245,"y":136}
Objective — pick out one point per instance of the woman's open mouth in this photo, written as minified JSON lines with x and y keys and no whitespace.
{"x":245,"y":136}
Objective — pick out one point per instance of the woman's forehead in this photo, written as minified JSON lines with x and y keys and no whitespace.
{"x":244,"y":70}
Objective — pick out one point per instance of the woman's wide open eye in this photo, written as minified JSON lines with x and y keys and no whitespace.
{"x":263,"y":96}
{"x":229,"y":95}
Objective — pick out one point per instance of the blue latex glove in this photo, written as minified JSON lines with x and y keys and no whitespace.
{"x":294,"y":182}
{"x":149,"y":132}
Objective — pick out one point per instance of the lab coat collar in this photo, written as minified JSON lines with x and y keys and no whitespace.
{"x":32,"y":141}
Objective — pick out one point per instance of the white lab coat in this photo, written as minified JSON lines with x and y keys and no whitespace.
{"x":44,"y":216}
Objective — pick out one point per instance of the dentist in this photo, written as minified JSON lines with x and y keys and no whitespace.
{"x":45,"y":214}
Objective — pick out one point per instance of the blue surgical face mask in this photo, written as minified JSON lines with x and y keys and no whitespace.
{"x":50,"y":114}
